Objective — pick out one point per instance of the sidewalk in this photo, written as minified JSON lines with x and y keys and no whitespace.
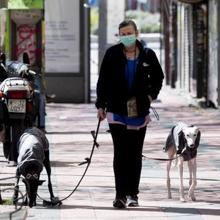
{"x":69,"y":127}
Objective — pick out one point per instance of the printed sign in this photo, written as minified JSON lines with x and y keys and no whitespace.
{"x":62,"y":47}
{"x":26,"y":42}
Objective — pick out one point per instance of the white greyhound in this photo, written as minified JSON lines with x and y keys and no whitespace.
{"x":183,"y":142}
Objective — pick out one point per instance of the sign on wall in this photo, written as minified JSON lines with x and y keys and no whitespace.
{"x":26,"y":33}
{"x":26,"y":42}
{"x":62,"y":39}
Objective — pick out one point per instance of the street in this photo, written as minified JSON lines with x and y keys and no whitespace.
{"x":63,"y":41}
{"x":68,"y":130}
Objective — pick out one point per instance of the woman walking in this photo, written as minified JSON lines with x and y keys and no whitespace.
{"x":130,"y":78}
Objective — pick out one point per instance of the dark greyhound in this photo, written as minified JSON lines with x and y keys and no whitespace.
{"x":33,"y":154}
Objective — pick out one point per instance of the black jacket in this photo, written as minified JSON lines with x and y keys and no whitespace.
{"x":112,"y":87}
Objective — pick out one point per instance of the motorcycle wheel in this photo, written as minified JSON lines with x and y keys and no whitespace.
{"x":16,"y":129}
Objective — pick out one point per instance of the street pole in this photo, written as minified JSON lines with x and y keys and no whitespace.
{"x":87,"y":52}
{"x":102,"y":29}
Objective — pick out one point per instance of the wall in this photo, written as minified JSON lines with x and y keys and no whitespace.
{"x":214,"y":58}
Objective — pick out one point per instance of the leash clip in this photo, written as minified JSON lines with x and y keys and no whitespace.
{"x":87,"y":160}
{"x":94,"y":137}
{"x":155,"y":113}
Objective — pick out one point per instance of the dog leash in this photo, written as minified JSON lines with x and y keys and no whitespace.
{"x":15,"y":202}
{"x":87,"y":161}
{"x":165,"y":159}
{"x":161,"y":159}
{"x":8,"y":178}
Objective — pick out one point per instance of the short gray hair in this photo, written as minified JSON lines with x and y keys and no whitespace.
{"x":126,"y":23}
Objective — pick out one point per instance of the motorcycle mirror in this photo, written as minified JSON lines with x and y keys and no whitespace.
{"x":26,"y":58}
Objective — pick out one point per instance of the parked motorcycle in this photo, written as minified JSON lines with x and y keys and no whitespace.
{"x":19,"y":105}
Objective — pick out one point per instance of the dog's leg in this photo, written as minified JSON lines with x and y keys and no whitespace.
{"x":181,"y":188}
{"x":16,"y":191}
{"x":171,"y":153}
{"x":190,"y":166}
{"x":193,"y":166}
{"x":168,"y":180}
{"x":54,"y":200}
{"x":48,"y":169}
{"x":1,"y":200}
{"x":15,"y":196}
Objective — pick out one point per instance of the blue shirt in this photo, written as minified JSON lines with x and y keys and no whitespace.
{"x":136,"y":121}
{"x":130,"y":71}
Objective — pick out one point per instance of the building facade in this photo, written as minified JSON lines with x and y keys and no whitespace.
{"x":55,"y":35}
{"x":192,"y":52}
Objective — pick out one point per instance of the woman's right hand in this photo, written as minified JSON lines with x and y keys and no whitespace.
{"x":101,"y":114}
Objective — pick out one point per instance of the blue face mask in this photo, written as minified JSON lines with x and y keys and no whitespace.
{"x":128,"y":40}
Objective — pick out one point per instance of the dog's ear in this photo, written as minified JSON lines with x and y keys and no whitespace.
{"x":40,"y":182}
{"x":196,"y":129}
{"x":181,"y":139}
{"x":197,"y":141}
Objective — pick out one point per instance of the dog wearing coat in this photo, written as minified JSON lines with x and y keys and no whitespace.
{"x":183,"y":141}
{"x":33,"y":155}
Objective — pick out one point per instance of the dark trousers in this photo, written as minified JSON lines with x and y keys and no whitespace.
{"x":127,"y":162}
